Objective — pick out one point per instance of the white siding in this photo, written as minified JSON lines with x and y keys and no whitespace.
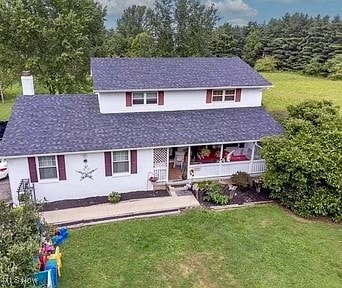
{"x":178,"y":100}
{"x":73,"y":188}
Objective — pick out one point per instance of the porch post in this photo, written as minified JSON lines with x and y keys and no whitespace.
{"x":167,"y":164}
{"x":221,"y":156}
{"x":221,"y":153}
{"x":188,"y":164}
{"x":252,"y":158}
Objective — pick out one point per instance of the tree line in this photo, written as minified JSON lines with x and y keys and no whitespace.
{"x":55,"y":39}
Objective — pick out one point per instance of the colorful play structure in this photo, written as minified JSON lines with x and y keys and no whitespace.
{"x":50,"y":260}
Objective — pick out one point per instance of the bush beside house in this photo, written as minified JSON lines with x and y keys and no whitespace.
{"x":304,"y":166}
{"x":19,"y":244}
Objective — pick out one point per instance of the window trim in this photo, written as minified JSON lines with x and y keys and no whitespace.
{"x":223,"y":95}
{"x":145,"y":97}
{"x":129,"y":163}
{"x":48,"y":179}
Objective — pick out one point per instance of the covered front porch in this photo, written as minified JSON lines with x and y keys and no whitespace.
{"x":197,"y":162}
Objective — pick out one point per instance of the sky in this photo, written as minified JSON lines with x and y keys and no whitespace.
{"x":240,"y":12}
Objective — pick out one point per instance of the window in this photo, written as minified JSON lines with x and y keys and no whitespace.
{"x":151,"y":98}
{"x":229,"y":95}
{"x":145,"y":98}
{"x":217,"y":95}
{"x":47,"y":167}
{"x":224,"y":95}
{"x":138,"y":98}
{"x":120,"y":162}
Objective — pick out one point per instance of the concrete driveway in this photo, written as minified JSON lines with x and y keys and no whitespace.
{"x":5,"y":191}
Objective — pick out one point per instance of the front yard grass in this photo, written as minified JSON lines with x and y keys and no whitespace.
{"x":292,"y":88}
{"x":256,"y":247}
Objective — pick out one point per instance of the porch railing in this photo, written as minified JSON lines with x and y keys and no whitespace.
{"x":160,"y":173}
{"x":227,"y":168}
{"x":26,"y":186}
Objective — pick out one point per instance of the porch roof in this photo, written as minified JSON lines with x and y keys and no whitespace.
{"x":55,"y":124}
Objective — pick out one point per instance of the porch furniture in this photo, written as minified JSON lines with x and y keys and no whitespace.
{"x":179,"y":159}
{"x":211,"y":158}
{"x":238,"y":154}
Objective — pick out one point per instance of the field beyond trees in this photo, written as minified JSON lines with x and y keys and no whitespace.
{"x":255,"y":247}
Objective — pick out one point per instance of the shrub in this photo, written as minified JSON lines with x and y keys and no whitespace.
{"x":114,"y":197}
{"x":21,"y":230}
{"x":280,"y":115}
{"x":214,"y":193}
{"x":204,"y":185}
{"x":304,"y":165}
{"x":241,"y":180}
{"x":314,"y":67}
{"x":266,"y":64}
{"x":334,"y":67}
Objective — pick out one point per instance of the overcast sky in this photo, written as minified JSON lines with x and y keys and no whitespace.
{"x":240,"y":12}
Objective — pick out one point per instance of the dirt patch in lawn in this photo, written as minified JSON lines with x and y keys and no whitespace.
{"x":74,"y":203}
{"x":196,"y":271}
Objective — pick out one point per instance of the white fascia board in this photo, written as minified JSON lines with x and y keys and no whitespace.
{"x":183,"y":89}
{"x":124,"y":149}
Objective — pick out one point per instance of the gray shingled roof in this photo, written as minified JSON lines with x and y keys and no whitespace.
{"x":163,"y":73}
{"x":70,"y":123}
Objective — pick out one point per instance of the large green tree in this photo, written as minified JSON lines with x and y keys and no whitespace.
{"x":253,"y":47}
{"x":161,"y":27}
{"x":133,"y":21}
{"x":224,"y":42}
{"x":194,"y":24}
{"x":304,"y":166}
{"x":53,"y":39}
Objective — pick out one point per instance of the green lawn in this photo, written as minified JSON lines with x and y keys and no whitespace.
{"x":292,"y":88}
{"x":11,"y":94}
{"x":6,"y":108}
{"x":255,"y":247}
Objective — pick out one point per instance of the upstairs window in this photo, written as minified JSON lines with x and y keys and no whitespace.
{"x":217,"y":95}
{"x":141,"y":98}
{"x":229,"y":95}
{"x":224,"y":95}
{"x":138,"y":98}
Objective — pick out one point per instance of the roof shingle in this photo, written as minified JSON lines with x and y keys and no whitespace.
{"x":45,"y":124}
{"x":172,"y":73}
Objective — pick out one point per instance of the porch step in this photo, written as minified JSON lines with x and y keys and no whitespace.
{"x":159,"y":186}
{"x":130,"y":216}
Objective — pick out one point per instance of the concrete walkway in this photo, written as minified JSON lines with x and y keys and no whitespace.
{"x":122,"y":210}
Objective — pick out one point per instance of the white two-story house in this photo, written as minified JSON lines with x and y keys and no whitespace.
{"x":150,"y":121}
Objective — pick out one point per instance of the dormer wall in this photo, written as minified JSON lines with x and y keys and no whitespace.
{"x":173,"y":100}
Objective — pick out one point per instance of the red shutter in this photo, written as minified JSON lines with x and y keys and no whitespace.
{"x":134,"y":162}
{"x":32,"y":169}
{"x":61,"y":167}
{"x":108,"y":163}
{"x":128,"y":99}
{"x":160,"y":97}
{"x":209,"y":94}
{"x":238,"y":95}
